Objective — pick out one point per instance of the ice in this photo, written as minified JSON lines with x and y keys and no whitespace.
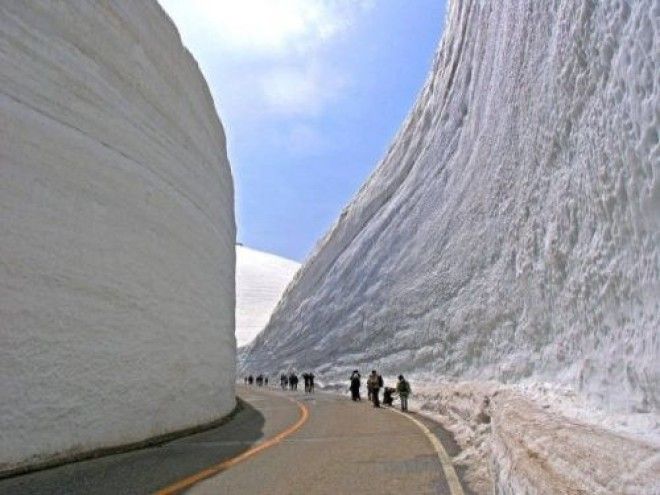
{"x":511,"y":232}
{"x":260,"y":281}
{"x":116,"y":232}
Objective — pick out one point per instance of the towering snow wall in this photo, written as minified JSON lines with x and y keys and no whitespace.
{"x":116,"y":232}
{"x":512,"y":229}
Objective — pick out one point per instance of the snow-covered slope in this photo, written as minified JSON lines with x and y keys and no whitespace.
{"x":116,"y":232}
{"x":512,"y":230}
{"x":260,"y":280}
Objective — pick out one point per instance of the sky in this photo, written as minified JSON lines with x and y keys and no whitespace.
{"x":310,"y":93}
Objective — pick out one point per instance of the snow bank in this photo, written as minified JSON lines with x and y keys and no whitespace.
{"x":517,"y":442}
{"x":260,"y":281}
{"x":511,"y":233}
{"x":116,"y":232}
{"x":537,"y":450}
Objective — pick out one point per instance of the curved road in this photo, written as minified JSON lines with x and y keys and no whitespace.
{"x":281,"y":443}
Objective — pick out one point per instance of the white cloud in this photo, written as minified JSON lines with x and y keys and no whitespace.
{"x":264,"y":26}
{"x":300,"y":91}
{"x":266,"y":60}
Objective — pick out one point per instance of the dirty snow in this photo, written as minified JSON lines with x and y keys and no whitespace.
{"x":520,"y":443}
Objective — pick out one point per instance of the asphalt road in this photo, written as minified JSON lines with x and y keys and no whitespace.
{"x":341,"y":447}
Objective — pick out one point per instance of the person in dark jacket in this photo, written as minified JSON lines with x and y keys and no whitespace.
{"x":388,"y":396}
{"x":403,"y":389}
{"x":355,"y":386}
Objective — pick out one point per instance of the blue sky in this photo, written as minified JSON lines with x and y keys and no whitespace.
{"x":310,"y":93}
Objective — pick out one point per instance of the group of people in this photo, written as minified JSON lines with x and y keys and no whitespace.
{"x":374,"y":384}
{"x":308,"y":378}
{"x":260,"y":380}
{"x":291,"y":381}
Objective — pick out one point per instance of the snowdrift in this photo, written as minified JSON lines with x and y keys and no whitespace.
{"x":260,"y":281}
{"x":116,"y":232}
{"x":511,"y":232}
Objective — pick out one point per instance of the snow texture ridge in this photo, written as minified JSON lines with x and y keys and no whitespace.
{"x":117,"y":232}
{"x":260,"y":281}
{"x":512,"y":230}
{"x":515,"y":440}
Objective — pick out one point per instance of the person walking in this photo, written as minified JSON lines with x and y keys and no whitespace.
{"x":374,"y":384}
{"x":306,"y":380}
{"x":370,"y":396}
{"x":355,"y":386}
{"x":370,"y":391}
{"x":250,"y":380}
{"x":284,"y":381}
{"x":403,"y":389}
{"x":311,"y":382}
{"x":293,"y":382}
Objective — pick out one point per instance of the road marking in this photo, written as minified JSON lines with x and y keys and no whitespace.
{"x":223,"y":466}
{"x":455,"y":487}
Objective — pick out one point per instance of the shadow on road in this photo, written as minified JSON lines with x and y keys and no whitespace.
{"x":146,"y":470}
{"x":448,"y":442}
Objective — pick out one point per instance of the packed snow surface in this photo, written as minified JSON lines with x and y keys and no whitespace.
{"x":260,"y":281}
{"x":512,"y":230}
{"x":116,"y":232}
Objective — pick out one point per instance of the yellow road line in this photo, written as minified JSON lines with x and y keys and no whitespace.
{"x":455,"y":487}
{"x":218,"y":468}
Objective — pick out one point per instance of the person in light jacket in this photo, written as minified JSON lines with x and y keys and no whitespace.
{"x":374,"y":384}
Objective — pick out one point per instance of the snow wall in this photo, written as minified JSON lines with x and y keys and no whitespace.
{"x":512,"y":230}
{"x":260,"y":281}
{"x":116,"y":232}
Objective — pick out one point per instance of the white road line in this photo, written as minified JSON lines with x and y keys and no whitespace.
{"x":455,"y":487}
